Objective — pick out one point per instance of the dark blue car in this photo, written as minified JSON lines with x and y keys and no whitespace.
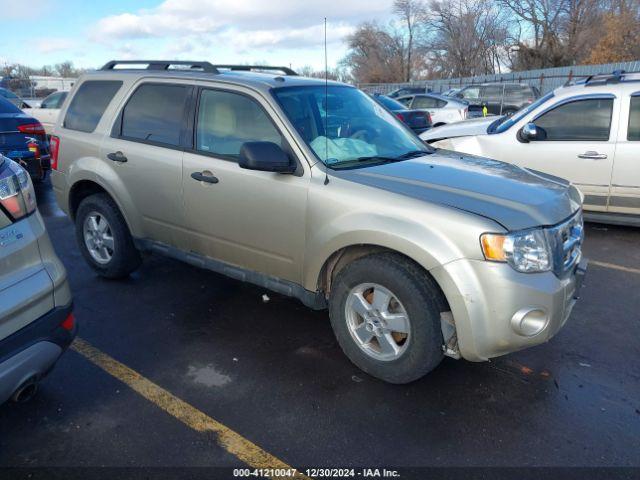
{"x":23,"y":139}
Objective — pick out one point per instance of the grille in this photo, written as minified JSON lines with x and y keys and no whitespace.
{"x":566,"y":244}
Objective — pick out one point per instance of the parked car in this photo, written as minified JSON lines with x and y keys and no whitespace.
{"x":588,"y":133}
{"x":442,"y":109}
{"x":23,"y":139}
{"x":500,"y":98}
{"x":400,"y":92}
{"x":36,"y":321}
{"x":13,"y":98}
{"x":418,"y":120}
{"x":314,"y":191}
{"x":48,"y":110}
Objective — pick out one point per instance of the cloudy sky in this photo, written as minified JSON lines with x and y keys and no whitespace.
{"x":91,"y":32}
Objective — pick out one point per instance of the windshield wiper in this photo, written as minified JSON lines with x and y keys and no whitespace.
{"x":404,"y":156}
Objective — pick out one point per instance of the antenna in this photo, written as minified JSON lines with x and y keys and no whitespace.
{"x":326,"y":107}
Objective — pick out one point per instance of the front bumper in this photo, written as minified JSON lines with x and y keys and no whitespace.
{"x":31,"y":352}
{"x":488,"y":299}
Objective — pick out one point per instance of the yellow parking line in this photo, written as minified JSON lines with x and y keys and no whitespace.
{"x":613,"y":266}
{"x":231,"y":441}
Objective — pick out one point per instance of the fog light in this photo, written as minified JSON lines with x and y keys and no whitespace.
{"x":529,"y":321}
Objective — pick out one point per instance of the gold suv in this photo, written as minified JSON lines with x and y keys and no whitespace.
{"x":316,"y":191}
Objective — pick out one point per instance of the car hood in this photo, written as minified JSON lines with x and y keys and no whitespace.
{"x":476,"y":126}
{"x":514,"y":197}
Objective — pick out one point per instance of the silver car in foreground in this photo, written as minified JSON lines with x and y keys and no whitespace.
{"x":319,"y":193}
{"x":36,"y":323}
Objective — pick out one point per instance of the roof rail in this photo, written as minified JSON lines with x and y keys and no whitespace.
{"x":162,"y":65}
{"x":604,"y":78}
{"x":250,"y":68}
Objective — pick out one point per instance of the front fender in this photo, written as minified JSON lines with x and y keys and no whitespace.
{"x":425,"y":246}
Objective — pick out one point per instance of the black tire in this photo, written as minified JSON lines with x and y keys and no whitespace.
{"x":126,"y":258}
{"x":422,"y":300}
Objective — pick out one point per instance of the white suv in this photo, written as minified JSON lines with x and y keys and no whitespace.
{"x":588,"y":133}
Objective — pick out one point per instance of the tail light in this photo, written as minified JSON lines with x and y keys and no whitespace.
{"x":464,"y":112}
{"x":68,"y":322}
{"x":428,"y":118}
{"x":32,"y":128}
{"x":400,"y":117}
{"x":17,"y":196}
{"x":54,"y":148}
{"x":35,"y":148}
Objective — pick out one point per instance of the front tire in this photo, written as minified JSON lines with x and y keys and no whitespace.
{"x":104,"y":239}
{"x":385,"y":312}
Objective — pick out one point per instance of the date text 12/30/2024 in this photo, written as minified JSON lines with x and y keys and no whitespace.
{"x":315,"y":473}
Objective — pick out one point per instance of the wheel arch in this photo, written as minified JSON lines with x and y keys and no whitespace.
{"x":84,"y":187}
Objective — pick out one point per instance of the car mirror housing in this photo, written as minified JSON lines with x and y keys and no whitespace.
{"x":531,"y":132}
{"x":265,"y":157}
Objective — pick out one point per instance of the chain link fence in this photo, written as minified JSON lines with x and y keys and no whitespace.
{"x":545,"y":80}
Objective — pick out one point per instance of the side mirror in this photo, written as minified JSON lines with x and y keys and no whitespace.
{"x":459,"y":95}
{"x":531,"y":132}
{"x":265,"y":157}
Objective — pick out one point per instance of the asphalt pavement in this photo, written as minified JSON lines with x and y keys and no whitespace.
{"x":272,"y":372}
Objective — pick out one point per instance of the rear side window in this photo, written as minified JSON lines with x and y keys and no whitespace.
{"x":424,"y":102}
{"x":580,"y":120}
{"x":155,"y":113}
{"x":89,"y":103}
{"x":634,"y":119}
{"x":227,"y":120}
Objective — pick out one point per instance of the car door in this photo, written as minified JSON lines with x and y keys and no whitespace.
{"x":579,"y":144}
{"x":145,"y":151}
{"x":251,"y":219}
{"x":625,"y":180}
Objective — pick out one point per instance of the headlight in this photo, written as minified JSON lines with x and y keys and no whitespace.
{"x":17,"y":195}
{"x":526,"y":252}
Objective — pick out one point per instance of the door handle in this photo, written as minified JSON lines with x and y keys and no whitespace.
{"x":205,"y":176}
{"x":117,"y":157}
{"x":590,"y":155}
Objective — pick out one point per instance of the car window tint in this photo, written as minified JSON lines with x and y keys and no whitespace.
{"x":424,"y":102}
{"x":51,"y":101}
{"x":441,"y":103}
{"x":634,"y":120}
{"x":227,"y":120}
{"x":580,"y":120}
{"x":155,"y":113}
{"x":471,"y":93}
{"x":89,"y":103}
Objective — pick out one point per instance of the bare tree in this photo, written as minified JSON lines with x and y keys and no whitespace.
{"x":470,"y":37}
{"x":412,"y":15}
{"x":375,"y":55}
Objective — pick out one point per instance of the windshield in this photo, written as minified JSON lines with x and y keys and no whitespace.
{"x":359,"y":131}
{"x":506,"y":122}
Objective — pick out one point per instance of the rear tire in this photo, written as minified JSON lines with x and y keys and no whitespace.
{"x":104,"y":238}
{"x":413,"y":294}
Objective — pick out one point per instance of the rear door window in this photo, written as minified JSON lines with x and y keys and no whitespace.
{"x":155,"y":113}
{"x":89,"y":103}
{"x":588,"y":119}
{"x":424,"y":102}
{"x":634,"y":119}
{"x":227,"y":120}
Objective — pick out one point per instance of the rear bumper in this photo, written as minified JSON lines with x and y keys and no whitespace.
{"x":31,"y":352}
{"x":489,"y":302}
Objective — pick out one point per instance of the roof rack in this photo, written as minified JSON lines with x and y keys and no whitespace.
{"x":162,"y":65}
{"x":250,"y":68}
{"x":603,"y":78}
